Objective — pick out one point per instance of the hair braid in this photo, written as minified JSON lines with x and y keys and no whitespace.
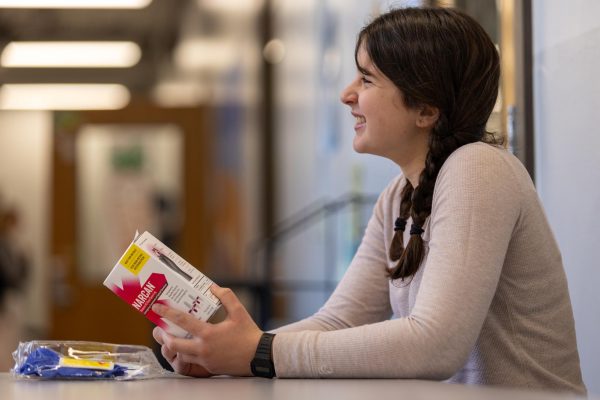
{"x":397,"y":246}
{"x":441,"y":144}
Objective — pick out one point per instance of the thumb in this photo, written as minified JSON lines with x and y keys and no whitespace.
{"x":228,"y":299}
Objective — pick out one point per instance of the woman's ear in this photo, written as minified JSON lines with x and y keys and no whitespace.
{"x":428,"y":116}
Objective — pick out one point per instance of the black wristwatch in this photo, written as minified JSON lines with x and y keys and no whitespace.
{"x":262,"y":364}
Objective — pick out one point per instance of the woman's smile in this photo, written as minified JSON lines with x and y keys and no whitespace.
{"x":360,"y":121}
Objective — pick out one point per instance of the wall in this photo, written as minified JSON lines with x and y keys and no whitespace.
{"x":567,"y":100}
{"x":314,"y":130}
{"x":25,"y":150}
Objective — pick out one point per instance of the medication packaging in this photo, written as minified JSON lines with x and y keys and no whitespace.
{"x":149,"y":272}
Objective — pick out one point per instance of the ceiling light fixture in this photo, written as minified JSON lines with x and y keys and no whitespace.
{"x":74,"y":3}
{"x":196,"y":54}
{"x":63,"y":96}
{"x":232,"y":6}
{"x":70,"y":55}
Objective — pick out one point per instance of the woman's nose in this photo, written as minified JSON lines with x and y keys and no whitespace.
{"x":348,"y":95}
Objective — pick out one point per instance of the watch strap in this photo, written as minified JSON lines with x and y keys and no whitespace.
{"x":262,"y":364}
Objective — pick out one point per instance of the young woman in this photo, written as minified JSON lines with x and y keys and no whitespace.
{"x":458,"y":250}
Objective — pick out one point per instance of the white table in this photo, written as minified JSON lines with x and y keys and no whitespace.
{"x":223,"y":388}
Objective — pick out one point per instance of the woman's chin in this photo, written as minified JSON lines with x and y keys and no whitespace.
{"x":358,"y":145}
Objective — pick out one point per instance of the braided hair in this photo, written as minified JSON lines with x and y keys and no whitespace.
{"x":442,"y":58}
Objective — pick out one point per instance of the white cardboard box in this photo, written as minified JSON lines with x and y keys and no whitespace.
{"x":149,"y":272}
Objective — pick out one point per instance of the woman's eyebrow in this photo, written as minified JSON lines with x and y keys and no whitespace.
{"x":364,"y":70}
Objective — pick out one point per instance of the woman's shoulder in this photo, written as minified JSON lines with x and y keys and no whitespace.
{"x":477,"y":151}
{"x":393,"y":189}
{"x":484,"y":167}
{"x":482,"y":158}
{"x":390,"y":196}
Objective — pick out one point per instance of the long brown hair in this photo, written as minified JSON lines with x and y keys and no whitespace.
{"x":443,"y":58}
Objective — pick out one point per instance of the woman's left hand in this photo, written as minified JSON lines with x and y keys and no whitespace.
{"x":225,"y":348}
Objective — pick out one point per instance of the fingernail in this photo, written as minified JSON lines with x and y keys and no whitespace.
{"x":158,"y":308}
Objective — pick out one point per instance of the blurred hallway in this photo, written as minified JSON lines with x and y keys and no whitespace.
{"x":220,"y":131}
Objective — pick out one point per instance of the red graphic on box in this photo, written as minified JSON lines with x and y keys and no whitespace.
{"x":142,"y":297}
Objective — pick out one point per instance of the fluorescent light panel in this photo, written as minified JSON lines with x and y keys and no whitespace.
{"x":63,"y":96}
{"x":70,"y":54}
{"x":197,"y":54}
{"x":232,"y":6}
{"x":74,"y":3}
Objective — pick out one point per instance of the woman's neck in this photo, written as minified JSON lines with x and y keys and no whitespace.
{"x":412,"y":173}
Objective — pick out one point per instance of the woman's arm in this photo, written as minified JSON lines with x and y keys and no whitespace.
{"x":474,"y":212}
{"x":227,"y":347}
{"x":475,"y":207}
{"x":362,"y":296}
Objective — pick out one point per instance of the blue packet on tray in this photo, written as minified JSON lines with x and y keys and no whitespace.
{"x":47,"y":363}
{"x":85,"y":360}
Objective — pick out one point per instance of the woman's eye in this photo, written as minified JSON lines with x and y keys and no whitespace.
{"x":365,"y":80}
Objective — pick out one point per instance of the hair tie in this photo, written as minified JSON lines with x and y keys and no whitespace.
{"x":400,"y":224}
{"x":416,"y":229}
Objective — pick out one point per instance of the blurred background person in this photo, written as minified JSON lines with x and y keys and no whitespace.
{"x":14,"y":270}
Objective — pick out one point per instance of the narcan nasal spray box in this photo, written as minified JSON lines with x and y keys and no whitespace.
{"x":149,"y":272}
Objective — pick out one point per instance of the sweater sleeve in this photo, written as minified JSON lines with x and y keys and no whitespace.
{"x":474,"y":211}
{"x":362,"y":296}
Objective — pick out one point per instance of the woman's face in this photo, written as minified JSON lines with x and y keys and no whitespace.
{"x":384,"y":125}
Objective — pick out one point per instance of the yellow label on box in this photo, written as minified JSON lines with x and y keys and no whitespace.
{"x":134,"y":259}
{"x":89,"y":364}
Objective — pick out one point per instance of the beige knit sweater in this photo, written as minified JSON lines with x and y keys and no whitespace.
{"x":489,"y":304}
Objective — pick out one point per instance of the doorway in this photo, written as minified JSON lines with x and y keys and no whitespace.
{"x":143,"y":168}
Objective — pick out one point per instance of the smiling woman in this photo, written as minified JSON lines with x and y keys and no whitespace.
{"x":385,"y":126}
{"x":478,"y":294}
